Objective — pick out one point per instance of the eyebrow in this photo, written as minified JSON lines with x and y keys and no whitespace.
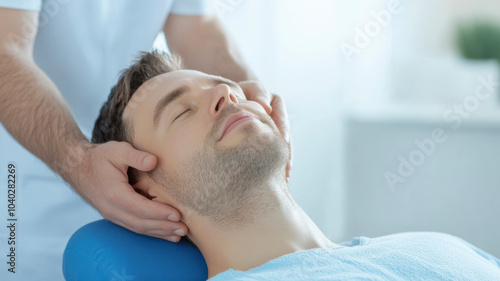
{"x":175,"y":94}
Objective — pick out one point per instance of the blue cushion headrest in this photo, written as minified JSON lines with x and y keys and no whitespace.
{"x":102,"y":250}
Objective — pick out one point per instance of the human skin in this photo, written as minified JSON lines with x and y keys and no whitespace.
{"x":272,"y":224}
{"x":35,"y":113}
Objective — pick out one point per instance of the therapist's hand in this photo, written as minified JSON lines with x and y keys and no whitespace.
{"x":105,"y":185}
{"x":275,"y":107}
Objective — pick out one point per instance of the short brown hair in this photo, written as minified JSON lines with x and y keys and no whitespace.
{"x":109,"y":125}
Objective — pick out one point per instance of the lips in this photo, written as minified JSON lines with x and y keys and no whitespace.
{"x":234,"y":120}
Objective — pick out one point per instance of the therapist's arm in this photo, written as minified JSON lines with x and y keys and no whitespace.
{"x":204,"y":45}
{"x":34,"y":112}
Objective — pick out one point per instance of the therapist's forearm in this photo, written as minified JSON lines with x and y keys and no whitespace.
{"x":204,"y":45}
{"x":36,"y":115}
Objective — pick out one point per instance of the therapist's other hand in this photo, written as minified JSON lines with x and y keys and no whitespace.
{"x":105,"y":185}
{"x":274,"y":106}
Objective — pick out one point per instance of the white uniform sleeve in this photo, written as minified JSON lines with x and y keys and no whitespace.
{"x":191,"y":7}
{"x":33,"y":5}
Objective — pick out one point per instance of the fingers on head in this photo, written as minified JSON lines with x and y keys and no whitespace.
{"x":153,"y":217}
{"x":174,"y":238}
{"x":255,"y":91}
{"x":264,"y":96}
{"x":280,"y":116}
{"x":138,"y":159}
{"x":148,"y":209}
{"x":157,"y":228}
{"x":124,"y":154}
{"x":278,"y":102}
{"x":129,"y":202}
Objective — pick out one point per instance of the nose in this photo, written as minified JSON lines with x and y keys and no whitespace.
{"x":220,"y":97}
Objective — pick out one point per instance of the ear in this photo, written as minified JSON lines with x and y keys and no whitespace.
{"x":147,"y":188}
{"x":152,"y":190}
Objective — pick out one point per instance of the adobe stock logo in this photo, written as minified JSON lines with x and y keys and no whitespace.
{"x":363,"y":36}
{"x":221,"y":7}
{"x":32,"y":23}
{"x":427,"y":147}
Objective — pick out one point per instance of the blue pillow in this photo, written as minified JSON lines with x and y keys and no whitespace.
{"x":102,"y":250}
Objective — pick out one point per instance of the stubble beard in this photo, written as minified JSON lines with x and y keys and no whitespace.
{"x":228,"y":184}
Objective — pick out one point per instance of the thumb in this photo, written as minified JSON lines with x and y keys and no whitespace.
{"x":255,"y":91}
{"x":134,"y":158}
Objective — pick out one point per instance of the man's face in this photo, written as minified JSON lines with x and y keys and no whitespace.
{"x":212,"y":143}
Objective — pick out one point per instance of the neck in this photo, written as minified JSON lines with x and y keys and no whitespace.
{"x":279,"y":230}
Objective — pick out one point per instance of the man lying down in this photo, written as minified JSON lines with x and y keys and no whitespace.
{"x":221,"y":163}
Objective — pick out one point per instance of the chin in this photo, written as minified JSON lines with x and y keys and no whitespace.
{"x":216,"y":181}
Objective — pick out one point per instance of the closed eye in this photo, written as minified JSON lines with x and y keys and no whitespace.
{"x":181,"y":114}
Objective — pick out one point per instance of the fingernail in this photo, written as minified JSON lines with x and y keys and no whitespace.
{"x":179,"y":232}
{"x":147,"y":160}
{"x":173,"y":218}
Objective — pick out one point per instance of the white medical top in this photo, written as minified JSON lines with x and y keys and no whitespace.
{"x":82,"y":45}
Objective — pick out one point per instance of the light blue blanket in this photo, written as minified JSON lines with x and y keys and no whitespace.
{"x":403,"y":256}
